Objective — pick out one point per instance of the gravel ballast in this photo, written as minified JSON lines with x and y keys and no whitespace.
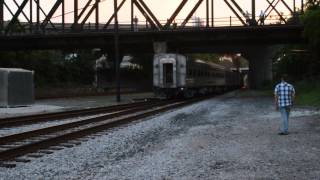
{"x":227,"y":137}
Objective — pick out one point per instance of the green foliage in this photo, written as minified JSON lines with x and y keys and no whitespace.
{"x":305,"y":63}
{"x":308,"y":92}
{"x":311,"y":21}
{"x":289,"y":62}
{"x":51,"y":67}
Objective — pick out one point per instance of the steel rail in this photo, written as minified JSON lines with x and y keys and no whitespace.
{"x":53,"y":129}
{"x":19,"y":151}
{"x":16,"y":121}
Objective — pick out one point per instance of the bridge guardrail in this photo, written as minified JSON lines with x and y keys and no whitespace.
{"x":124,"y":26}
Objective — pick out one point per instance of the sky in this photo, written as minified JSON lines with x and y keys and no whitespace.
{"x":161,"y":8}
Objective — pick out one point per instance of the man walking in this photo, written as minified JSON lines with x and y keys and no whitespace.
{"x":283,"y":95}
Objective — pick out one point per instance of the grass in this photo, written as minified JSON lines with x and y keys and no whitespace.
{"x":308,"y":93}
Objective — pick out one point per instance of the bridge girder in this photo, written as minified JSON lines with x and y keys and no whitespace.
{"x":187,"y":41}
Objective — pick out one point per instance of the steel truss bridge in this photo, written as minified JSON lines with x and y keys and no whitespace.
{"x":35,"y":17}
{"x":34,"y":24}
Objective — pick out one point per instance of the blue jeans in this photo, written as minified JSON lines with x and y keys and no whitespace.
{"x":285,"y":111}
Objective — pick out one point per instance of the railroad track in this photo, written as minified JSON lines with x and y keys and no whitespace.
{"x":32,"y":119}
{"x":20,"y":147}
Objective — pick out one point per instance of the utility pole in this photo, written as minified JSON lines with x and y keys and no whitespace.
{"x":116,"y":47}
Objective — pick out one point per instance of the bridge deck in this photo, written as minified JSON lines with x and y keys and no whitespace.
{"x":183,"y":40}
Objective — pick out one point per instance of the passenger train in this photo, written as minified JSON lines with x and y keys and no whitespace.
{"x":176,"y":75}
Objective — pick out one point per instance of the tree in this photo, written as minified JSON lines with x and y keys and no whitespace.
{"x":311,"y":21}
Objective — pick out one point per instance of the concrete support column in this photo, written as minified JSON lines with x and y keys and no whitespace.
{"x":260,"y":65}
{"x":160,"y":47}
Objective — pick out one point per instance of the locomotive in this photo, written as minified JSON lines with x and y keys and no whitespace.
{"x":176,"y":75}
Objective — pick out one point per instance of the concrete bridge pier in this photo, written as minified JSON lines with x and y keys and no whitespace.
{"x":260,"y":65}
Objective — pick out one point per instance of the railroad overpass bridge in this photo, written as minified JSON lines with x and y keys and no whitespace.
{"x":191,"y":40}
{"x":241,"y":32}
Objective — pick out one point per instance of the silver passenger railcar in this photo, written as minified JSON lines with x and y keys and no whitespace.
{"x":176,"y":75}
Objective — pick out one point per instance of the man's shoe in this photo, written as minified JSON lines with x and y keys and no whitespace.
{"x":283,"y":133}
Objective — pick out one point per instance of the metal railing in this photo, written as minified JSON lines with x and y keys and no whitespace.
{"x":143,"y":26}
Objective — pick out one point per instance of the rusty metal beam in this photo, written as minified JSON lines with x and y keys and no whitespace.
{"x":89,"y":14}
{"x":175,"y":14}
{"x":83,"y":10}
{"x":238,"y":7}
{"x":24,"y":14}
{"x":288,"y":7}
{"x":38,"y":14}
{"x":12,"y":14}
{"x":97,"y":14}
{"x":144,"y":14}
{"x":235,"y":12}
{"x":40,"y":8}
{"x":132,"y":14}
{"x":212,"y":13}
{"x":75,"y":11}
{"x":207,"y":13}
{"x":113,"y":15}
{"x":1,"y":15}
{"x":253,"y":10}
{"x":150,"y":13}
{"x":265,"y":11}
{"x":191,"y":13}
{"x":63,"y":14}
{"x":31,"y":15}
{"x":50,"y":14}
{"x":274,"y":8}
{"x":16,"y":15}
